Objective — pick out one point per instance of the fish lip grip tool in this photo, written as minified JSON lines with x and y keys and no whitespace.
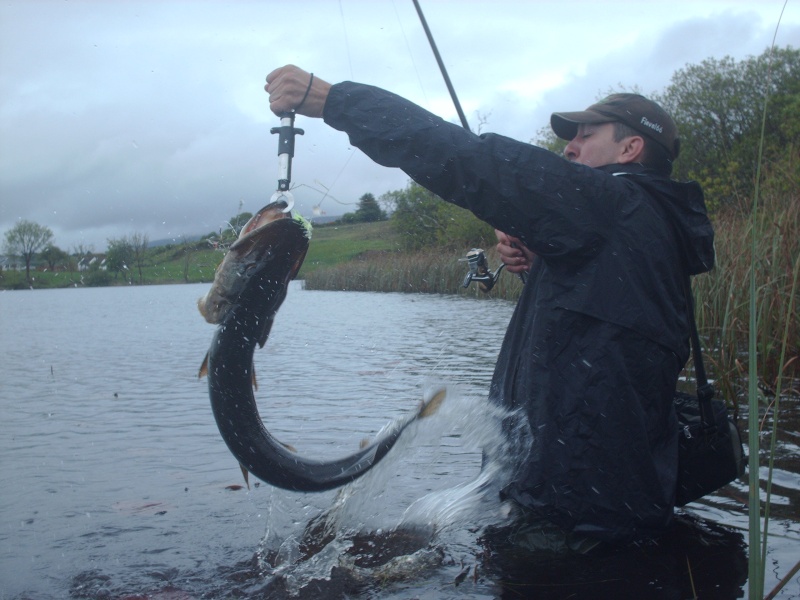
{"x":286,"y":133}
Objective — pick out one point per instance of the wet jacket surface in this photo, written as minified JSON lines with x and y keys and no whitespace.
{"x":593,"y":350}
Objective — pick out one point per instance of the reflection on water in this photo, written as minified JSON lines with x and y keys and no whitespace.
{"x":115,"y":480}
{"x":714,"y":555}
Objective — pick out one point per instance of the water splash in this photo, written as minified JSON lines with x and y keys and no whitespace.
{"x":373,"y":539}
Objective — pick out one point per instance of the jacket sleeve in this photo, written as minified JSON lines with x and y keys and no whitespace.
{"x":526,"y":191}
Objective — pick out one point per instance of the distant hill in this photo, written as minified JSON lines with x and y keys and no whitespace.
{"x":324,"y":219}
{"x":321,"y":220}
{"x":173,"y":240}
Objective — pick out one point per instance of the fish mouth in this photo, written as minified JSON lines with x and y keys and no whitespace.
{"x":269,"y":214}
{"x":271,"y":241}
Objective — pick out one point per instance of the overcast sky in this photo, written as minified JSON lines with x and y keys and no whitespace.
{"x":150,"y":116}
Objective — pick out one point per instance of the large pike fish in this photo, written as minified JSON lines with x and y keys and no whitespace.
{"x":249,"y":287}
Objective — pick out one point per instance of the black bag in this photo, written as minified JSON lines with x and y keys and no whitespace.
{"x":710,"y":448}
{"x":709,"y":452}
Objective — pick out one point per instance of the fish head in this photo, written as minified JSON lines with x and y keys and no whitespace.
{"x":267,"y":254}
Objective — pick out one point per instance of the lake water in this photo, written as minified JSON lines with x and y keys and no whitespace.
{"x":116,"y":484}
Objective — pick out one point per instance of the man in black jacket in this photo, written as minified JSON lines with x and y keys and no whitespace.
{"x":594,"y":348}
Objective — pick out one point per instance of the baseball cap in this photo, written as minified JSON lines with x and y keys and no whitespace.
{"x":635,"y":111}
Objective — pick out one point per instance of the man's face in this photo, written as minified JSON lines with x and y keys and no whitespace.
{"x":594,"y":145}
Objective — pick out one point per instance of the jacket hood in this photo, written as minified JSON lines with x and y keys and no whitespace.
{"x":684,"y":205}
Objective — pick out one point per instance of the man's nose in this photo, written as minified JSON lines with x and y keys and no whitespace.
{"x":572,"y":150}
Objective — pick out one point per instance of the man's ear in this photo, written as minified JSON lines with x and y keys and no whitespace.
{"x":632,"y":150}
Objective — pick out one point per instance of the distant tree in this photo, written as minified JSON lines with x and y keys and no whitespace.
{"x":463,"y":230}
{"x":81,"y":250}
{"x":119,"y":256}
{"x":187,"y":257}
{"x":239,"y":221}
{"x":483,"y":121}
{"x":718,"y":106}
{"x":369,"y":210}
{"x":422,"y":219}
{"x":416,"y":216}
{"x":232,"y":228}
{"x":53,"y":256}
{"x":138,"y":243}
{"x":386,"y":202}
{"x":25,"y":239}
{"x":546,"y":138}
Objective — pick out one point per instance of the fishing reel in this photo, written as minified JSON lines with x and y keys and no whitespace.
{"x":479,"y":270}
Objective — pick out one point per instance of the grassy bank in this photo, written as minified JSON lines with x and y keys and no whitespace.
{"x":195,"y":262}
{"x":180,"y":263}
{"x":333,"y":245}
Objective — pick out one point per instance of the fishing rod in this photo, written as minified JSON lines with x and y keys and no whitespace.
{"x":476,"y":258}
{"x":442,"y":68}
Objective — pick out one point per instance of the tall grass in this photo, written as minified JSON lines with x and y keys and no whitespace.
{"x":747,"y":308}
{"x":723,"y":303}
{"x":429,"y":272}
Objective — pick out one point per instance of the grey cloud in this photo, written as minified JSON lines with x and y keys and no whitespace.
{"x":143,"y":116}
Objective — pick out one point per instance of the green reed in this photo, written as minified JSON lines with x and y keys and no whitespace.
{"x":434,"y":271}
{"x":723,"y":303}
{"x":773,"y":351}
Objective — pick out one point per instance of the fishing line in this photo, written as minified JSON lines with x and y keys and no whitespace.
{"x":352,"y":76}
{"x":346,"y":42}
{"x":326,"y":194}
{"x":410,"y":54}
{"x":333,"y":183}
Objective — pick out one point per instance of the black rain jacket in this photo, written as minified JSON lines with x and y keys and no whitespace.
{"x":593,"y":351}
